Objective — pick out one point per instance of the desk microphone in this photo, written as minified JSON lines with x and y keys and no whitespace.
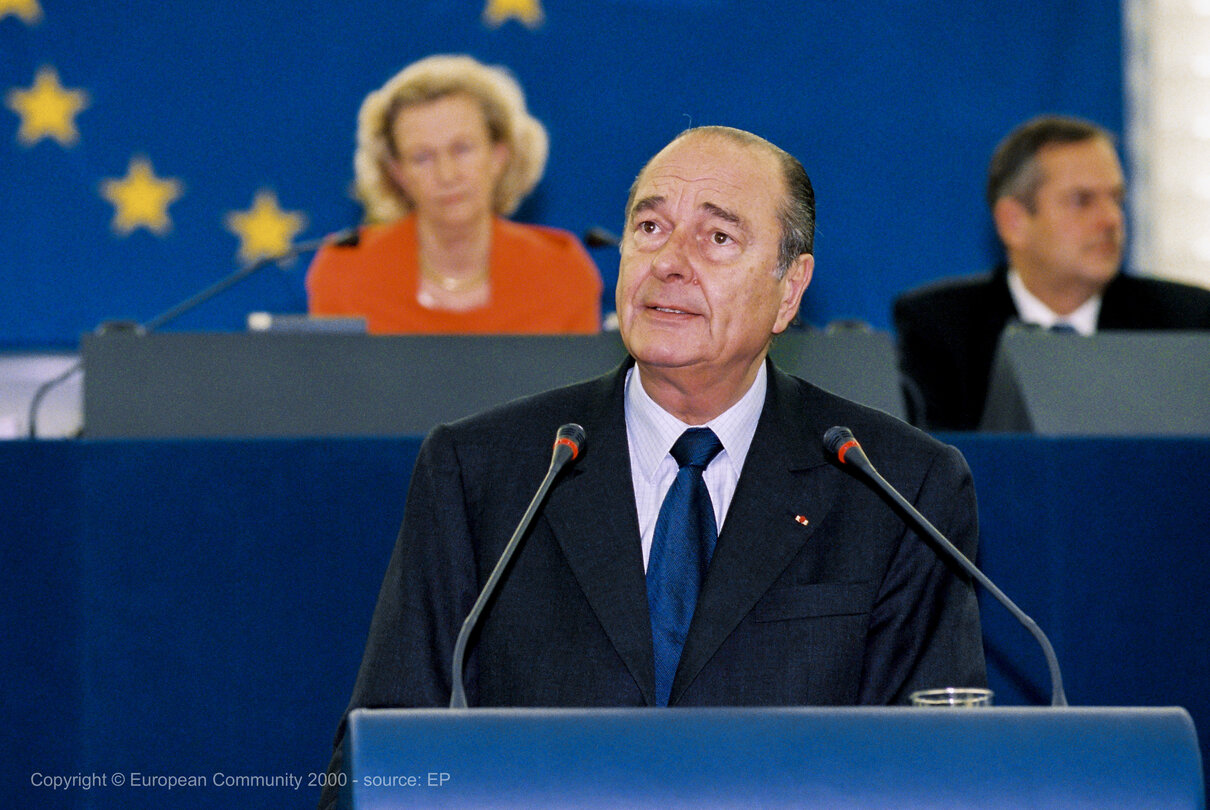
{"x":839,"y":442}
{"x":349,"y":237}
{"x":568,"y":442}
{"x":596,"y":237}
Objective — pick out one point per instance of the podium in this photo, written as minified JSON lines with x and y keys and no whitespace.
{"x":1112,"y":383}
{"x":772,"y":758}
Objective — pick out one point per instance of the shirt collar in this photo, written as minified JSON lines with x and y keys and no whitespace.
{"x":1031,"y":309}
{"x":656,"y":430}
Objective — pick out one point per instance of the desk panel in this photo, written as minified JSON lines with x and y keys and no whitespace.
{"x":1125,"y":383}
{"x":176,"y":385}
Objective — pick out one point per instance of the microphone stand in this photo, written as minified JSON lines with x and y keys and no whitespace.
{"x":567,"y":447}
{"x":840,"y":443}
{"x":345,"y":238}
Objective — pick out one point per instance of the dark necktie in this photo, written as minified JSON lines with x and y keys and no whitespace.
{"x":685,"y":534}
{"x":1060,"y":328}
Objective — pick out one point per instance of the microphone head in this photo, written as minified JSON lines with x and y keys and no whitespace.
{"x":349,"y":237}
{"x":599,"y":237}
{"x":571,"y":435}
{"x":836,"y":438}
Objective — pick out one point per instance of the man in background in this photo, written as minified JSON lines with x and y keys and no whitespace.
{"x":1056,"y":190}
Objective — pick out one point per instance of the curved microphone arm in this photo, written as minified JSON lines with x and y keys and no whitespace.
{"x":348,"y":237}
{"x":840,"y":443}
{"x":567,"y":447}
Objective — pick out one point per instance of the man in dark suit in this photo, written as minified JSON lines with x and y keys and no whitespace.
{"x":816,"y":592}
{"x":1055,"y":187}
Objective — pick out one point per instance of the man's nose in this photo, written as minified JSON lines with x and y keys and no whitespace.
{"x":672,"y":260}
{"x":1113,"y":213}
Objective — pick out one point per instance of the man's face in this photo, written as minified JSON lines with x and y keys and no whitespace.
{"x":697,"y":290}
{"x":447,"y":166}
{"x":1076,"y":233}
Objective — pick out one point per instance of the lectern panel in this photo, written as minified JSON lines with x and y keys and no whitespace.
{"x":775,"y":758}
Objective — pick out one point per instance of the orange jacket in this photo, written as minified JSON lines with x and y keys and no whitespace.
{"x":542,"y":282}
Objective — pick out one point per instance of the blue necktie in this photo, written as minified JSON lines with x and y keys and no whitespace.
{"x":1061,"y":328}
{"x":685,"y":534}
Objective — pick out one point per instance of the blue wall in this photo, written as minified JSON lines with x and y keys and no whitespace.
{"x":192,"y":607}
{"x":894,"y":109}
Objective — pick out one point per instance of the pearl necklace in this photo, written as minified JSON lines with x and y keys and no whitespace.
{"x":451,"y":284}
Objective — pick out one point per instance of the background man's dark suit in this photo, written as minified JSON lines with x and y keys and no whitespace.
{"x":850,"y":608}
{"x":948,"y":333}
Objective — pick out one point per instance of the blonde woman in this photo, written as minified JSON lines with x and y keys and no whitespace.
{"x":446,"y":150}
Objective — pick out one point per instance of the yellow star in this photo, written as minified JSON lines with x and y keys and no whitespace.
{"x":27,"y":10}
{"x":527,"y":11}
{"x":265,"y":231}
{"x":47,"y":109}
{"x":141,"y":199}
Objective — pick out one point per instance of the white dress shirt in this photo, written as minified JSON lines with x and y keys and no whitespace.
{"x":651,"y":431}
{"x":1032,"y":310}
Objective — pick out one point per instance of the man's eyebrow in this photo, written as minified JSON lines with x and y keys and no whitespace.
{"x":647,"y":204}
{"x":656,"y":200}
{"x":723,"y":214}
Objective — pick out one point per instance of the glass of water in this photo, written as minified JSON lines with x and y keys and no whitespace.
{"x":960,"y":696}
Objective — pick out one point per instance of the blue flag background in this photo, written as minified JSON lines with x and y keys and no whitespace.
{"x":151,"y":148}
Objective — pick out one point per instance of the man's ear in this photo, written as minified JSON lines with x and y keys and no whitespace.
{"x":794,"y":284}
{"x":1011,"y":218}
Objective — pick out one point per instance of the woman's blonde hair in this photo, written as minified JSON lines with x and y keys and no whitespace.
{"x":508,"y":122}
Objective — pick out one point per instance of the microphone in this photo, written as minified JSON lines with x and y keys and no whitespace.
{"x":568,"y":442}
{"x":597,"y":236}
{"x":349,"y":237}
{"x":840,"y":442}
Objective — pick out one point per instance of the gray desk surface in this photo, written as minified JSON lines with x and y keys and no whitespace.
{"x":247,"y":385}
{"x":1113,"y":383}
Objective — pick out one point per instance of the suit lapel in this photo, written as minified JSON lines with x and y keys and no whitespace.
{"x":1117,"y":306}
{"x":1003,"y":307}
{"x":779,"y":488}
{"x":592,"y":514}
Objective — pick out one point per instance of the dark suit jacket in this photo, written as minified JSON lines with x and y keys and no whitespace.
{"x":850,"y":608}
{"x":948,"y":333}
